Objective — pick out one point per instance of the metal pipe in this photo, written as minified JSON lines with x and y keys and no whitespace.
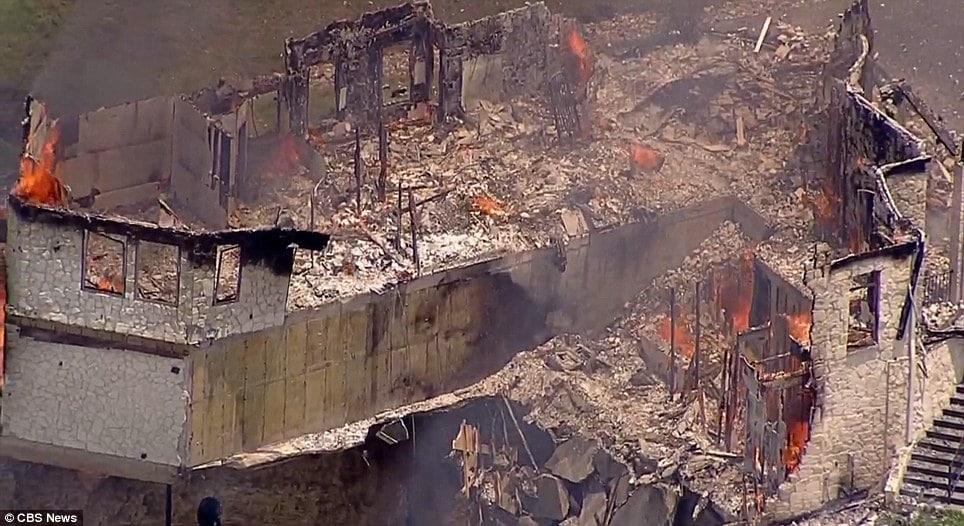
{"x":911,"y":366}
{"x":957,"y":203}
{"x":169,"y":506}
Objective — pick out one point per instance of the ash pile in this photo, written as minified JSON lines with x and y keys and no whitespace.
{"x":651,"y":129}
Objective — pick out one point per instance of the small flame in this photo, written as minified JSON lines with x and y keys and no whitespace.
{"x":798,"y":433}
{"x":485,"y":205}
{"x":797,"y":437}
{"x":645,"y":159}
{"x":286,"y":158}
{"x":110,"y":283}
{"x":737,"y":292}
{"x":798,"y":325}
{"x":40,"y":182}
{"x":685,"y":342}
{"x":580,"y":49}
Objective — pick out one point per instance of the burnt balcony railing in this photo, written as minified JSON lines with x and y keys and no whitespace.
{"x":937,"y":286}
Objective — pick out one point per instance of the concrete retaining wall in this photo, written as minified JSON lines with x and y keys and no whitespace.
{"x":346,"y":362}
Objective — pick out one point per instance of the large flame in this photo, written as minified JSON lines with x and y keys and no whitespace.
{"x":580,"y":49}
{"x":40,"y":182}
{"x":684,"y":341}
{"x":798,"y":325}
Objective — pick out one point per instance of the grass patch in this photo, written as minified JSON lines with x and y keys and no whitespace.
{"x":940,"y":518}
{"x":28,"y":32}
{"x":926,"y":518}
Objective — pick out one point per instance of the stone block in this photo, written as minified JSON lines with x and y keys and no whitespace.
{"x":107,"y":128}
{"x":294,"y":410}
{"x":275,"y":358}
{"x":274,"y":410}
{"x":154,"y":119}
{"x":316,"y":390}
{"x":295,"y":347}
{"x":336,"y":403}
{"x":252,"y":435}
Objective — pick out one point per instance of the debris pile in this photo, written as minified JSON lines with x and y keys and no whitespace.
{"x":580,"y":483}
{"x":669,"y":126}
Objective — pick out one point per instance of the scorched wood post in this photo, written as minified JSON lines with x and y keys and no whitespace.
{"x":672,"y":341}
{"x":358,"y":170}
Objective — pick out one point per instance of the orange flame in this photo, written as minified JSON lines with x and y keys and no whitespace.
{"x":286,"y":158}
{"x":798,"y":433}
{"x":737,"y":293}
{"x":580,"y":49}
{"x":645,"y":159}
{"x":684,"y":340}
{"x":110,"y":284}
{"x":39,"y":182}
{"x":798,"y":325}
{"x":797,"y":437}
{"x":487,"y":206}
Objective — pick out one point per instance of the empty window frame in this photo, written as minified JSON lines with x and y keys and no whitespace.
{"x":157,"y":272}
{"x":864,"y":311}
{"x":227,"y":279}
{"x":104,"y":266}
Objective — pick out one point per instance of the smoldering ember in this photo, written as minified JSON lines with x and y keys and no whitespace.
{"x":512,"y":271}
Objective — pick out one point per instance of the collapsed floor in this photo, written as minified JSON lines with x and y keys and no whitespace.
{"x":499,"y":184}
{"x":666,"y":126}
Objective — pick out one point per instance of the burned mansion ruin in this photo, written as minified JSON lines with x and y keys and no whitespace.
{"x":494,"y":256}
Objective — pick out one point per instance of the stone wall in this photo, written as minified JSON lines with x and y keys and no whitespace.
{"x":941,"y":369}
{"x":46,"y":275}
{"x":192,"y":164}
{"x":861,"y":391}
{"x":45,"y":281}
{"x":107,"y":401}
{"x":346,"y":362}
{"x":122,"y":151}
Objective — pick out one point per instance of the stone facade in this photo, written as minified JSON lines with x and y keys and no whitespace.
{"x":106,"y":401}
{"x":859,"y":422}
{"x":45,"y":269}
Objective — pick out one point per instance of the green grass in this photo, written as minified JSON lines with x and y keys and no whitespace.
{"x":941,"y":518}
{"x":927,"y":518}
{"x":28,"y":32}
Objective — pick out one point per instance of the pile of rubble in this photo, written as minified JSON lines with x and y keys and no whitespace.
{"x":726,"y":120}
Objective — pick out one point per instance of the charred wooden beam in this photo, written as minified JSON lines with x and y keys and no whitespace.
{"x":935,"y":123}
{"x":271,"y":247}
